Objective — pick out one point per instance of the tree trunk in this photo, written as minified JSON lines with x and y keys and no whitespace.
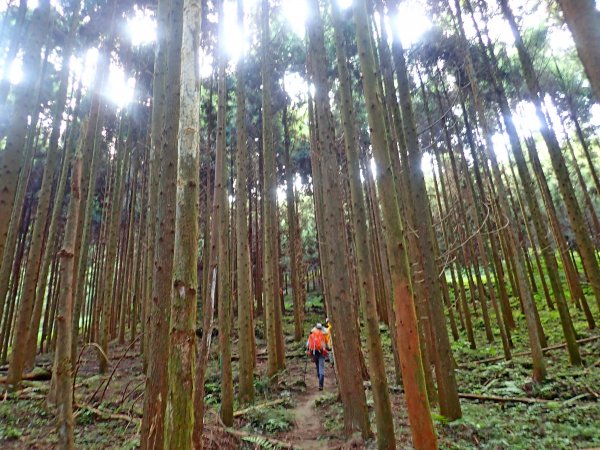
{"x":32,"y":271}
{"x":583,"y":20}
{"x":162,"y":230}
{"x":567,"y":192}
{"x":408,"y":337}
{"x":271,"y":266}
{"x":180,"y":408}
{"x":244,"y":267}
{"x":293,"y":238}
{"x":447,"y":389}
{"x":64,"y":365}
{"x":366,"y":283}
{"x":11,"y":159}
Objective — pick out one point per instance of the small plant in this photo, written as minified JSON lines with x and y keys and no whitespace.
{"x":10,"y":433}
{"x":85,"y":418}
{"x":261,"y":442}
{"x":326,"y":400}
{"x":261,"y":385}
{"x":271,"y":420}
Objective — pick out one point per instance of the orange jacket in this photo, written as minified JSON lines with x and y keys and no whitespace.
{"x":317,"y":342}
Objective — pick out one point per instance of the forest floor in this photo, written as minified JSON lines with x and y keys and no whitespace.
{"x":562,"y":412}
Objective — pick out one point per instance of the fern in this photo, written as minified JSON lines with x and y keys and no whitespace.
{"x":262,"y":442}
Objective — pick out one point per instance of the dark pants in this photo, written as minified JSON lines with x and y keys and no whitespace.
{"x":319,"y":360}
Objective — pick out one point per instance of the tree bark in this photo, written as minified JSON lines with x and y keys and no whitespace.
{"x":244,"y":266}
{"x":413,"y":376}
{"x":64,"y":365}
{"x":180,"y":413}
{"x":162,"y":229}
{"x":583,"y":20}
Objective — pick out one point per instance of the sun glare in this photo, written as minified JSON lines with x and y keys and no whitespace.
{"x":525,"y":118}
{"x":119,"y":89}
{"x":294,"y":85}
{"x":411,"y":22}
{"x":595,"y":115}
{"x":344,"y":4}
{"x":142,"y":28}
{"x":296,"y":13}
{"x":206,"y":64}
{"x":235,"y":44}
{"x":15,"y":72}
{"x":500,"y":142}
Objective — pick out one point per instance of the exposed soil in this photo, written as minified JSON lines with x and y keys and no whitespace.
{"x":309,"y":432}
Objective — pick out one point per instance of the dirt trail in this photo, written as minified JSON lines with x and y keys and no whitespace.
{"x":307,"y":419}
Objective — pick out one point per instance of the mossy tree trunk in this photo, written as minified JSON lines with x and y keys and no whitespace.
{"x":180,"y":414}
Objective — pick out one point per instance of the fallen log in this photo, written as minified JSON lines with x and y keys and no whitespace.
{"x":38,"y":374}
{"x":106,"y":414}
{"x":265,"y":355}
{"x":545,"y":349}
{"x":496,"y":398}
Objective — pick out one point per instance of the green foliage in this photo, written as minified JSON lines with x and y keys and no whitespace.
{"x":523,"y":427}
{"x":261,"y":442}
{"x":261,"y":385}
{"x":10,"y":433}
{"x":85,"y":418}
{"x":212,"y":393}
{"x":326,"y":400}
{"x":272,"y":420}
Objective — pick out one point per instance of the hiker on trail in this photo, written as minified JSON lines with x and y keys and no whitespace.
{"x":329,"y":340}
{"x":317,"y":348}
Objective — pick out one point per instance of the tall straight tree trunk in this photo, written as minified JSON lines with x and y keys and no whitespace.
{"x":12,"y":236}
{"x":159,"y":99}
{"x":366,"y":282}
{"x":446,"y":380}
{"x":293,"y":238}
{"x":271,"y":266}
{"x":244,"y":265}
{"x":32,"y":271}
{"x":413,"y":376}
{"x":31,"y":277}
{"x":180,"y":408}
{"x":222,"y":218}
{"x":339,"y":301}
{"x":163,"y":235}
{"x":91,"y":158}
{"x":64,"y":365}
{"x":113,"y":227}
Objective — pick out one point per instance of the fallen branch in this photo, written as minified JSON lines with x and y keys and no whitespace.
{"x":106,"y":414}
{"x":241,"y":412}
{"x":35,"y":375}
{"x":496,"y":398}
{"x":265,"y":355}
{"x":116,"y":367}
{"x":546,"y":349}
